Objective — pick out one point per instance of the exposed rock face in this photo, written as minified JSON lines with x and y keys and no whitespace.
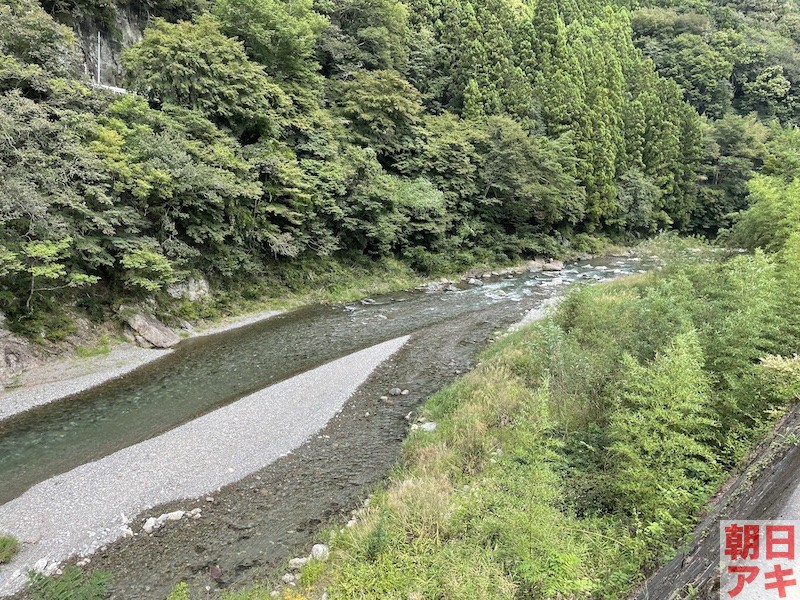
{"x":148,"y":328}
{"x":16,"y":355}
{"x":192,"y":289}
{"x":127,"y":30}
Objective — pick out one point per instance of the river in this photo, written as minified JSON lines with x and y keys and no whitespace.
{"x":252,"y":526}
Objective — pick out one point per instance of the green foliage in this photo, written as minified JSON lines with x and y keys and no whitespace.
{"x":774,"y":215}
{"x":147,"y":269}
{"x":382,"y":109}
{"x":724,"y":58}
{"x":29,"y":36}
{"x":180,"y":592}
{"x":9,"y":546}
{"x":736,"y":147}
{"x":72,"y":584}
{"x":662,"y":437}
{"x":369,"y":34}
{"x":266,"y":134}
{"x":280,"y":36}
{"x":208,"y":72}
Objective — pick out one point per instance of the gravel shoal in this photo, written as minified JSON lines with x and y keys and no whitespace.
{"x":86,"y":508}
{"x":62,"y":377}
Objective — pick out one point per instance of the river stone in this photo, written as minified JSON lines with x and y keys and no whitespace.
{"x":553,"y":265}
{"x":297,"y":563}
{"x":395,"y":392}
{"x":150,"y":525}
{"x":320,"y":552}
{"x":429,"y":426}
{"x":147,"y":327}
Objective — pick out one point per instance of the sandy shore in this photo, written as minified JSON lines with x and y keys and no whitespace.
{"x":90,"y":506}
{"x":62,"y":377}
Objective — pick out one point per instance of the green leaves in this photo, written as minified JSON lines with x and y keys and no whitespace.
{"x":662,"y":437}
{"x":208,"y":72}
{"x":383,"y":110}
{"x":280,"y":36}
{"x":147,"y":269}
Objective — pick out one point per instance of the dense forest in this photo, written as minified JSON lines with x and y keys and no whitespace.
{"x":266,"y":133}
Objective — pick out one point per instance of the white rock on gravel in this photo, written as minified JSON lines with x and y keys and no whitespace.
{"x":297,"y":563}
{"x":150,"y":525}
{"x":79,"y":511}
{"x":320,"y":552}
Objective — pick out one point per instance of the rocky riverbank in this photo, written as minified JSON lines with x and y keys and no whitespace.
{"x":32,"y":375}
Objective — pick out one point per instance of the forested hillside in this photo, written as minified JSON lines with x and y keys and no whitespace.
{"x":266,"y":133}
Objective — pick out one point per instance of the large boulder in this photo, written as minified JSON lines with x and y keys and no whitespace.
{"x":553,"y":265}
{"x":16,"y":355}
{"x":147,"y":328}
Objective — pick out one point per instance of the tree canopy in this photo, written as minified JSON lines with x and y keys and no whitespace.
{"x":265,"y":131}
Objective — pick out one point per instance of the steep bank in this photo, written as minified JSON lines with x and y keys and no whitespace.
{"x":768,"y":487}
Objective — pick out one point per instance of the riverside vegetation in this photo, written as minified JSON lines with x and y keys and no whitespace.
{"x":577,"y":456}
{"x":271,"y":140}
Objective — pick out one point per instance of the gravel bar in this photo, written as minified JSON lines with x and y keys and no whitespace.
{"x":84,"y":509}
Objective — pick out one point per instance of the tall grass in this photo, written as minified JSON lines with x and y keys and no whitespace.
{"x":72,"y":584}
{"x":9,"y":546}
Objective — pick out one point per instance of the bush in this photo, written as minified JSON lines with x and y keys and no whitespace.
{"x":662,"y":452}
{"x":9,"y":546}
{"x":72,"y":584}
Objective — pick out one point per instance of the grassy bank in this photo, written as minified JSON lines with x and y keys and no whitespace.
{"x":580,"y":451}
